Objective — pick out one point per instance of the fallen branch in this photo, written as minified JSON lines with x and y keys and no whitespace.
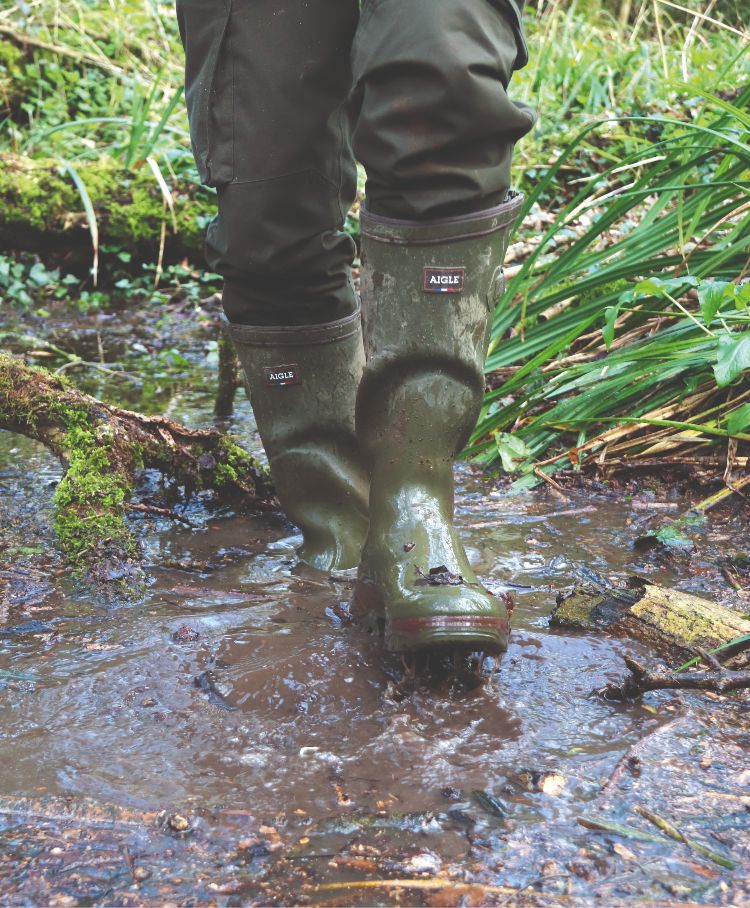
{"x":41,"y":210}
{"x":102,"y":449}
{"x":641,"y":680}
{"x":671,"y":622}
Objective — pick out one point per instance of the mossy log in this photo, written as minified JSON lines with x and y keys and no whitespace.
{"x":102,"y":448}
{"x":670,"y":622}
{"x":41,"y":210}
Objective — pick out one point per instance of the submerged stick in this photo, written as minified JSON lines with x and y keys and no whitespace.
{"x":434,"y":884}
{"x":631,"y":759}
{"x":621,"y":829}
{"x":674,"y":833}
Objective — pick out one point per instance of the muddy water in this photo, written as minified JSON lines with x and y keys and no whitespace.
{"x":239,"y":696}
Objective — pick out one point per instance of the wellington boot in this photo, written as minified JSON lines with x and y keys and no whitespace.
{"x":428,"y":292}
{"x":303,"y":384}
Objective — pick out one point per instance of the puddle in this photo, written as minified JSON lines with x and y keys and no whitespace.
{"x":238,"y":695}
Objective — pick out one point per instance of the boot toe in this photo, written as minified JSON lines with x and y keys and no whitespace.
{"x":457,"y":618}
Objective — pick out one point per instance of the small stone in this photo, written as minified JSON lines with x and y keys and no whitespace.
{"x":178,"y":823}
{"x":625,"y":853}
{"x":552,"y":784}
{"x":185,"y":634}
{"x":140,"y":874}
{"x":149,"y":701}
{"x":582,"y":869}
{"x":228,"y":888}
{"x":422,"y":862}
{"x":247,"y":844}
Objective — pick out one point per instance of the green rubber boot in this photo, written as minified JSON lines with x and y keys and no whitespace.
{"x":302,"y":383}
{"x":428,"y":292}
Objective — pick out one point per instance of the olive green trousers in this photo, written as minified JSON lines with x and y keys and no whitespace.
{"x":284,"y":95}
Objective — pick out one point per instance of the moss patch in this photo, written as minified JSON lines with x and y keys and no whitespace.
{"x":238,"y":464}
{"x":15,"y":405}
{"x":40,"y":195}
{"x":91,"y":498}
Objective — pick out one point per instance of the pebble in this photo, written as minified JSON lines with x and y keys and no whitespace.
{"x":185,"y":634}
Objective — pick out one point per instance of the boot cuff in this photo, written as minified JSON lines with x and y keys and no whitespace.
{"x":441,"y":230}
{"x":293,"y":336}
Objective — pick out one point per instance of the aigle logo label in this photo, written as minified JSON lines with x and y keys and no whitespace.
{"x":443,"y":280}
{"x":281,"y":376}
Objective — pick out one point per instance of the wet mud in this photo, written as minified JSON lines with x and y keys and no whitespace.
{"x":235,"y":738}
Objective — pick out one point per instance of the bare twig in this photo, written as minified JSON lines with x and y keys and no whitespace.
{"x":642,"y":679}
{"x":668,"y":828}
{"x":160,"y":512}
{"x":631,"y":759}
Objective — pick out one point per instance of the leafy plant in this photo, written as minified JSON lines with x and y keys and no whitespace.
{"x":631,"y":309}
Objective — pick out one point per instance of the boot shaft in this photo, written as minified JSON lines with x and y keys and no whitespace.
{"x":302,"y":383}
{"x":428,"y":293}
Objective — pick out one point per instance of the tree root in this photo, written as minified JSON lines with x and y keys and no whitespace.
{"x":102,"y":449}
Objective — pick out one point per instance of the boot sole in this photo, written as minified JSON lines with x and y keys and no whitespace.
{"x":483,"y":633}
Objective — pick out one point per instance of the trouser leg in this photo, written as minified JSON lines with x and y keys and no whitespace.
{"x":266,"y":88}
{"x":435,"y":125}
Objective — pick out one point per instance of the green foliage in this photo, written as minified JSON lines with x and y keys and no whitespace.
{"x":651,"y":245}
{"x":730,"y":644}
{"x":732,"y":358}
{"x":113,"y":86}
{"x":28,"y":283}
